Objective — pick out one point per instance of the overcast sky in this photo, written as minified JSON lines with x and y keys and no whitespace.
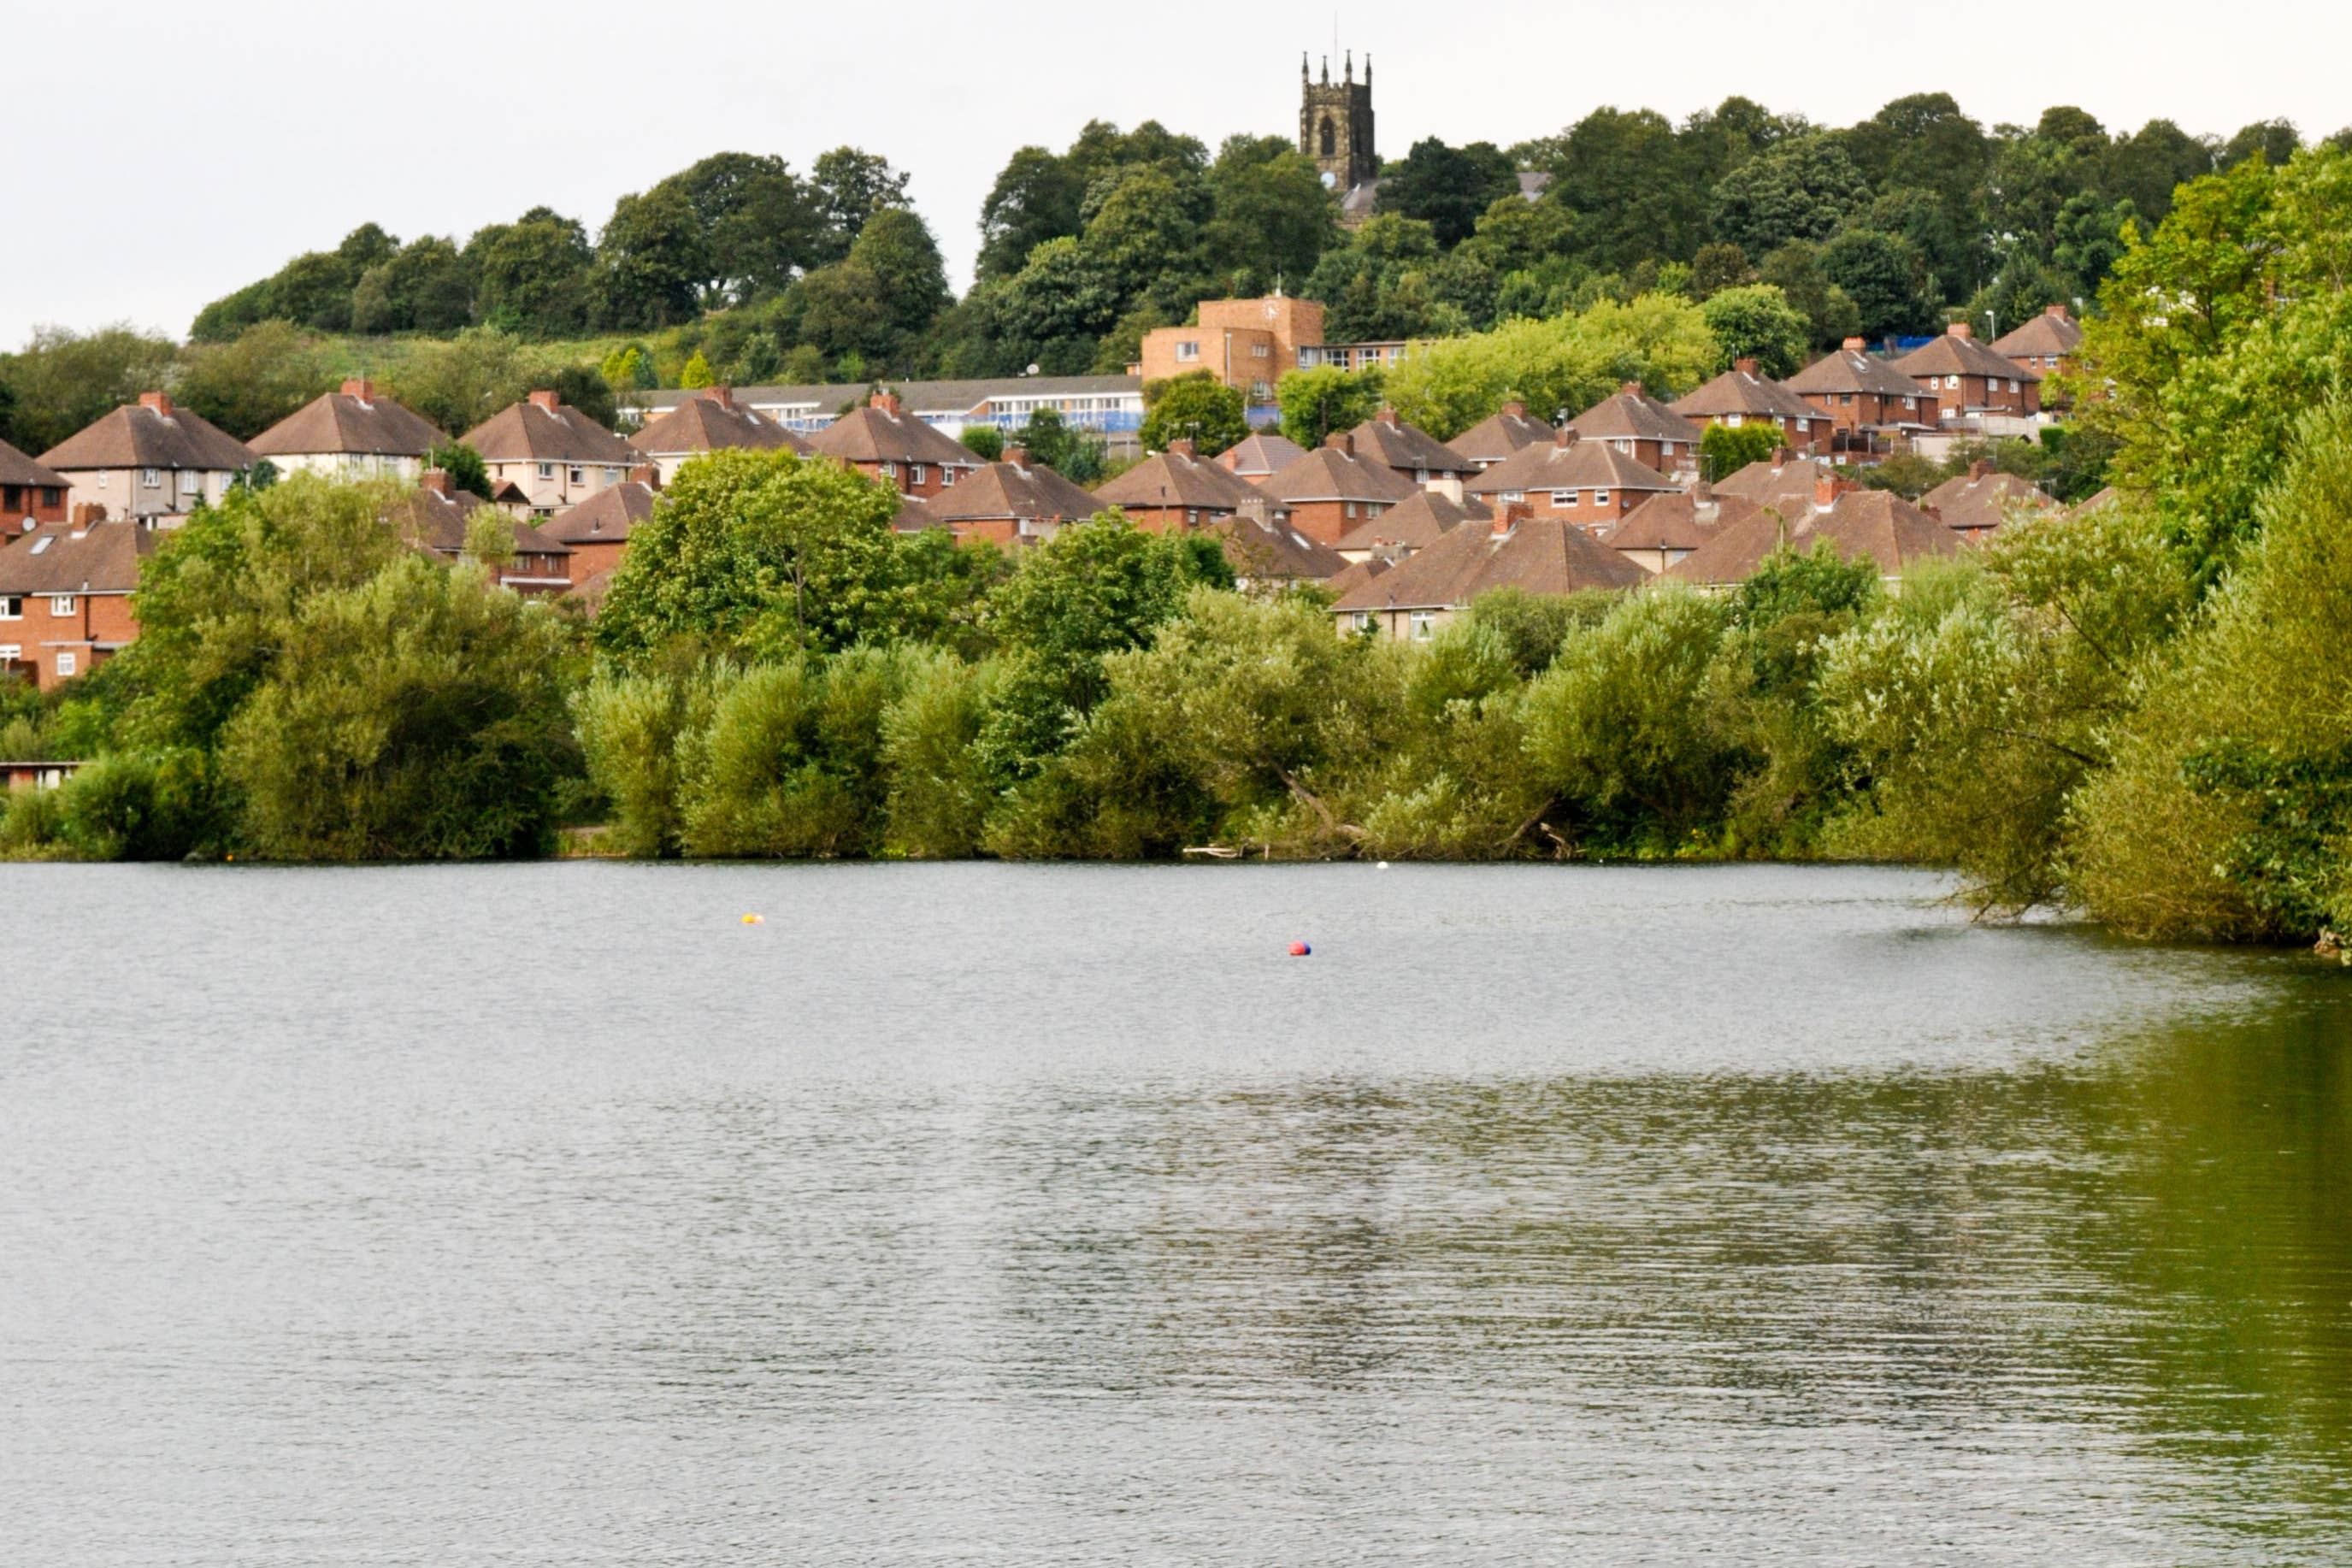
{"x":159,"y":156}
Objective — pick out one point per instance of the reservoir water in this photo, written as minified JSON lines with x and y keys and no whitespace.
{"x":985,"y":1214}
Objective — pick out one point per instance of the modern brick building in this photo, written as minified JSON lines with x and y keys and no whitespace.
{"x":65,"y":598}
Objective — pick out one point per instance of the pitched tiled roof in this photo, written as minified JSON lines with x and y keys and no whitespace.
{"x":604,"y":518}
{"x":591,"y":592}
{"x":1743,"y":392}
{"x":1356,"y":574}
{"x":2051,"y":333}
{"x":1955,"y":354}
{"x":1407,"y":449}
{"x":1416,"y":524}
{"x":431,"y":521}
{"x":1261,"y":550}
{"x":913,"y":517}
{"x":339,"y":422}
{"x":1876,"y":524}
{"x":15,"y":468}
{"x":872,"y":435}
{"x":1258,"y":456}
{"x":1541,"y":555}
{"x":1498,"y":435}
{"x":1976,"y":501}
{"x":1335,"y":473}
{"x":1000,"y":491}
{"x":534,"y":432}
{"x":1178,"y":479}
{"x":1631,"y":413}
{"x":917,"y":396}
{"x":710,"y":425}
{"x":1853,"y":370}
{"x":1679,"y":520}
{"x":139,"y":436}
{"x":1788,"y":487}
{"x":59,"y":558}
{"x":1579,"y":465}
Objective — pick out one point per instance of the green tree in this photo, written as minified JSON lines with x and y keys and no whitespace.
{"x":1071,"y":453}
{"x":1803,"y":189}
{"x":1034,"y":199}
{"x":759,"y":223}
{"x":1757,"y":321}
{"x":985,"y":441}
{"x":1724,"y":449}
{"x":1796,"y":270}
{"x":651,"y":261}
{"x":1886,"y":279}
{"x":697,"y":373}
{"x":1614,"y":173}
{"x":1271,"y":219}
{"x":1199,"y":409}
{"x":426,"y":287}
{"x":463,"y":465}
{"x":1323,"y":398}
{"x":247,"y":385}
{"x":64,"y":380}
{"x":847,"y":187}
{"x":533,"y":276}
{"x":1448,"y":187}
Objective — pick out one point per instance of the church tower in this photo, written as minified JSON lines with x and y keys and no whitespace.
{"x":1335,"y":124}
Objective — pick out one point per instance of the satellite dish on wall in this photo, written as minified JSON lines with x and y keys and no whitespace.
{"x":1031,"y":371}
{"x":1329,"y":179}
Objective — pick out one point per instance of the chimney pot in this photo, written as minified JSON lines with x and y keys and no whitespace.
{"x":1509,"y":515}
{"x":887,"y":402}
{"x":1182,"y":447}
{"x":161,"y":402}
{"x":1826,"y":490}
{"x":1564,"y":437}
{"x":1959,"y":330}
{"x":722,"y":396}
{"x":364,"y":389}
{"x":2057,"y":310}
{"x":1389,"y":417}
{"x":1515,"y":409}
{"x":1340,"y":441}
{"x":1782,"y":457}
{"x":1017,"y":456}
{"x":84,"y":513}
{"x":547,"y":399}
{"x":434,"y":479}
{"x":1978,"y":469}
{"x":646,"y":475}
{"x":1630,"y":389}
{"x":1745,"y":365}
{"x":1855,"y":345}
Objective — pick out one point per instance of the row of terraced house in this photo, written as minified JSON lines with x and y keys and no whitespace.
{"x":1402,"y":527}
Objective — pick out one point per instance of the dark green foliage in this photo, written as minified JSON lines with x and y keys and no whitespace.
{"x":985,"y":441}
{"x":1448,"y":187}
{"x":1074,"y":454}
{"x":1802,"y":189}
{"x":1321,"y":399}
{"x":1199,"y":409}
{"x":1885,"y":277}
{"x":1724,"y":450}
{"x":464,"y":466}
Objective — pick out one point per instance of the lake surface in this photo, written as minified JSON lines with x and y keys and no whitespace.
{"x":981,"y":1213}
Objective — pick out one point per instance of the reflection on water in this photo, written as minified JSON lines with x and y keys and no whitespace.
{"x":988,"y":1214}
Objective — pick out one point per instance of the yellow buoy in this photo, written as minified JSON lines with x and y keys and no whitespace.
{"x":755,"y":920}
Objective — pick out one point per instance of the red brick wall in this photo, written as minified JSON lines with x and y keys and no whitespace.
{"x":1160,"y":520}
{"x":1329,"y":522}
{"x":602,"y":556}
{"x":1592,"y":516}
{"x":43,"y":634}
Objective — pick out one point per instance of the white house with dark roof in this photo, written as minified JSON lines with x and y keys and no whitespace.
{"x":150,"y":460}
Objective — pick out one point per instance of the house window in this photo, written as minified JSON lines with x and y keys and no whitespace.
{"x":1804,"y":424}
{"x":1564,"y":498}
{"x":1625,"y":445}
{"x":1351,"y":509}
{"x":1187,"y":351}
{"x":947,"y":476}
{"x":1599,"y":497}
{"x":1515,"y":495}
{"x":1846,"y":399}
{"x":890,"y":471}
{"x":1191,"y":517}
{"x":61,"y":604}
{"x":1424,"y":625}
{"x":2012,"y":384}
{"x":52,"y":496}
{"x":66,"y":665}
{"x":1259,"y":350}
{"x":150,"y":478}
{"x":546,"y":470}
{"x":612,"y":476}
{"x":1732,"y":420}
{"x":11,"y":652}
{"x":915,"y":473}
{"x":12,"y":609}
{"x":578,"y":475}
{"x":101,"y":479}
{"x":1951,"y":384}
{"x":1366,"y":620}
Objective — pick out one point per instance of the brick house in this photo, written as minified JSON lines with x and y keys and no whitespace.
{"x":1666,"y":528}
{"x":2044,"y":345}
{"x":1872,"y":406}
{"x":1412,"y":452}
{"x":597,"y":531}
{"x":554,"y":454}
{"x":1516,"y":548}
{"x":1784,"y":481}
{"x":149,"y":460}
{"x":30,"y":495}
{"x":1499,"y":434}
{"x":1741,"y":397}
{"x":1876,"y":525}
{"x":1177,"y":488}
{"x":709,"y":421}
{"x":883,"y":441}
{"x":1266,"y":551}
{"x":1967,"y":378}
{"x":1258,"y":457}
{"x":1329,"y":491}
{"x":435,"y":517}
{"x":352,"y":434}
{"x":1581,"y":481}
{"x":65,"y":597}
{"x":1013,"y":501}
{"x":1414,"y":524}
{"x":1632,"y":422}
{"x":1980,"y":500}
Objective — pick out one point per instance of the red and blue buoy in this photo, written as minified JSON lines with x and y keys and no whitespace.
{"x":1300,"y":949}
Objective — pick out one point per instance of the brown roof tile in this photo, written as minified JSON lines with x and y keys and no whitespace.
{"x":434,"y":521}
{"x":59,"y":558}
{"x":1579,"y":465}
{"x":1540,"y":555}
{"x":1631,"y":413}
{"x":1498,"y":435}
{"x":2051,"y":333}
{"x":15,"y":468}
{"x":879,"y":434}
{"x":1741,"y":391}
{"x":1333,"y":472}
{"x":1853,"y":370}
{"x":1679,"y":520}
{"x":348,"y":422}
{"x":1876,"y":524}
{"x":1260,"y":455}
{"x":1178,"y":479}
{"x":150,"y":434}
{"x":1768,"y":481}
{"x":1415,"y":522}
{"x":606,"y":518}
{"x":1408,"y":449}
{"x":1000,"y":491}
{"x":1978,"y":500}
{"x":713,"y":423}
{"x":1261,"y":550}
{"x":1956,"y":353}
{"x":543,"y":429}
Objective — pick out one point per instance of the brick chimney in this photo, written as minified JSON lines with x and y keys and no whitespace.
{"x":1515,"y":409}
{"x":645,"y":474}
{"x":160,"y":402}
{"x":1978,"y":469}
{"x":1509,"y":515}
{"x":549,"y":400}
{"x":1449,"y":486}
{"x":1340,"y":441}
{"x":1855,"y":345}
{"x":1745,"y":365}
{"x":1630,"y":389}
{"x":1959,"y":330}
{"x":364,"y":389}
{"x":1182,"y":447}
{"x":1782,"y":457}
{"x":1827,"y":488}
{"x":86,"y":512}
{"x":1389,"y":417}
{"x":1017,"y":456}
{"x":722,"y":396}
{"x":2057,"y":310}
{"x":887,"y":402}
{"x":434,"y":479}
{"x":1565,"y":437}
